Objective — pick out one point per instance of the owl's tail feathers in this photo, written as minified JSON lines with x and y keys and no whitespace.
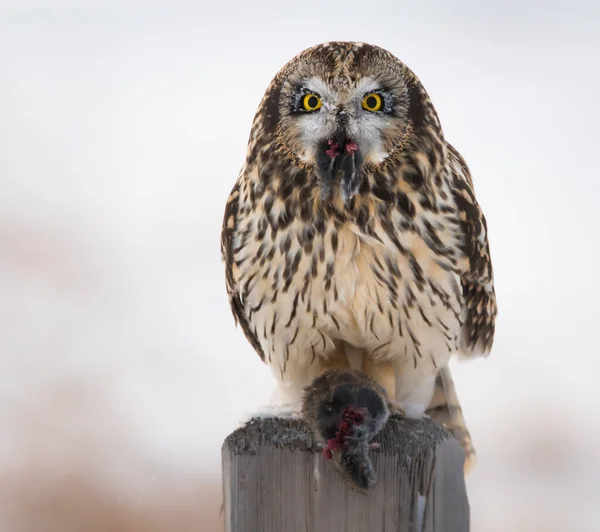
{"x":445,"y":409}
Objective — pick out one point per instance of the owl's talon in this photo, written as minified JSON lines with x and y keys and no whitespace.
{"x":396,"y":409}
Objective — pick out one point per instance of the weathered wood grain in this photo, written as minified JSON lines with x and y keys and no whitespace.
{"x":275,"y":480}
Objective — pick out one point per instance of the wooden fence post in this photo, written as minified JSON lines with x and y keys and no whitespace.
{"x":276,"y":480}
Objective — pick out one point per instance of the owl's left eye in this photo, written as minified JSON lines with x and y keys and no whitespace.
{"x":311,"y":102}
{"x":372,"y":102}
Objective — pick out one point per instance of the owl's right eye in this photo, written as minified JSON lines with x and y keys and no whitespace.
{"x":311,"y":102}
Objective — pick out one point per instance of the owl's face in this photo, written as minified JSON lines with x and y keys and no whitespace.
{"x":363,"y":115}
{"x":340,"y":107}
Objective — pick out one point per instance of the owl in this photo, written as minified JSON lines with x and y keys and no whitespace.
{"x":352,"y":238}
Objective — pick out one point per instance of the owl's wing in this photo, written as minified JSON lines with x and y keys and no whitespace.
{"x":228,"y":231}
{"x":477,"y":277}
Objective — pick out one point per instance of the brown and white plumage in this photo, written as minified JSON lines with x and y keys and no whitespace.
{"x":353,"y":238}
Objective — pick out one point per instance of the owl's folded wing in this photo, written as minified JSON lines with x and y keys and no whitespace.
{"x":228,"y":231}
{"x":477,"y":279}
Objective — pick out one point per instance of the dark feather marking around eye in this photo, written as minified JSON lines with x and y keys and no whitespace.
{"x":272,"y":108}
{"x":388,"y":100}
{"x":298,"y":95}
{"x":416,"y":112}
{"x":389,"y":103}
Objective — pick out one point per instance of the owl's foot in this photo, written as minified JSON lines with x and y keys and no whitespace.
{"x":396,"y":409}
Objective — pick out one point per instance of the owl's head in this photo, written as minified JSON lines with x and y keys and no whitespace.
{"x":344,"y":109}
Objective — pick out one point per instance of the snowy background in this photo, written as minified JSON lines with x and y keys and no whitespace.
{"x":123,"y":126}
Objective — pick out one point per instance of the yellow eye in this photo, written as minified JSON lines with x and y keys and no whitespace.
{"x":311,"y":102}
{"x":372,"y":102}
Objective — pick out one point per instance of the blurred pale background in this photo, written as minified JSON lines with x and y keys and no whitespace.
{"x":123,"y":126}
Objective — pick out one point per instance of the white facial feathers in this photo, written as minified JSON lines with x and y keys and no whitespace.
{"x":364,"y":127}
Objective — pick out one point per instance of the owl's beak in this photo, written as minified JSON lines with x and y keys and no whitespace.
{"x":340,"y":163}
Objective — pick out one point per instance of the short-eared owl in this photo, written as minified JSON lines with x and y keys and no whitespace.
{"x":352,"y":237}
